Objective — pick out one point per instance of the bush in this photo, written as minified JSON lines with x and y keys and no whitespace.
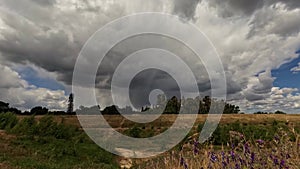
{"x":48,"y":127}
{"x":250,"y":132}
{"x":27,"y":126}
{"x":8,"y":121}
{"x":135,"y":132}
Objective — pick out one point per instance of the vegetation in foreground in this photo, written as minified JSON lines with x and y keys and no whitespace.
{"x":46,"y":144}
{"x":267,"y":147}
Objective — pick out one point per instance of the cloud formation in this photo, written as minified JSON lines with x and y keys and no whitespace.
{"x":15,"y":90}
{"x":252,"y":37}
{"x":296,"y":69}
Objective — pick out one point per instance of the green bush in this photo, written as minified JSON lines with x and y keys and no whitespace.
{"x":27,"y":126}
{"x":8,"y":120}
{"x":250,"y":132}
{"x":48,"y":127}
{"x":135,"y":132}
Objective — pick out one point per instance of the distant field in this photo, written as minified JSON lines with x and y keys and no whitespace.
{"x":118,"y":121}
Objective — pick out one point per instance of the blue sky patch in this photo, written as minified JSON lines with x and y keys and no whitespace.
{"x":32,"y":77}
{"x":285,"y":77}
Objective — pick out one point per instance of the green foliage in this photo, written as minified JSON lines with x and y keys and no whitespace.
{"x":139,"y":132}
{"x":26,"y":126}
{"x":173,"y":106}
{"x":46,"y":144}
{"x":8,"y":120}
{"x":39,"y":110}
{"x":56,"y":153}
{"x":250,"y":132}
{"x":135,"y":132}
{"x":279,"y":112}
{"x":193,"y":105}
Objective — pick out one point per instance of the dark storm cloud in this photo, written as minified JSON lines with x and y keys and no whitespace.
{"x":45,"y":2}
{"x":185,"y":8}
{"x":149,"y":80}
{"x":229,"y":8}
{"x":53,"y":53}
{"x":292,"y":4}
{"x":232,"y":85}
{"x":51,"y":38}
{"x":251,"y":96}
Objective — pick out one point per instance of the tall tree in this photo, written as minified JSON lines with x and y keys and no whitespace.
{"x":4,"y":107}
{"x":70,"y":103}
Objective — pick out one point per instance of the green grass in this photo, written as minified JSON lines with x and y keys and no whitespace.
{"x":46,"y":144}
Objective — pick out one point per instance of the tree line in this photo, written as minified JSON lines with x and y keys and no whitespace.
{"x":164,"y":105}
{"x":38,"y":110}
{"x":192,"y":105}
{"x":170,"y":106}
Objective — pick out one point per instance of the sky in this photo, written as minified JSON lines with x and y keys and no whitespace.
{"x":258,"y":42}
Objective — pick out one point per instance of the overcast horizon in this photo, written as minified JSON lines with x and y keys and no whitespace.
{"x":258,"y":42}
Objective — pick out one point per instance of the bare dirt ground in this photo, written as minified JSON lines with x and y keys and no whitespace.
{"x":4,"y":146}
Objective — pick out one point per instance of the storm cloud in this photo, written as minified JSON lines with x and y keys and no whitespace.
{"x":252,"y":38}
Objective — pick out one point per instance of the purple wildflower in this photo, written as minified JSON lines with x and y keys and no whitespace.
{"x":252,"y":157}
{"x":260,"y":141}
{"x":196,"y":151}
{"x":276,"y":162}
{"x":247,"y":149}
{"x":232,"y":154}
{"x":224,"y":164}
{"x":237,"y":166}
{"x":183,"y":163}
{"x":223,"y":155}
{"x":213,"y":157}
{"x":282,"y":163}
{"x":232,"y":146}
{"x":241,"y":160}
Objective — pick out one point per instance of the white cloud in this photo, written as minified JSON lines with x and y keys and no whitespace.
{"x":296,"y":69}
{"x":252,"y":38}
{"x":284,"y":99}
{"x":19,"y":93}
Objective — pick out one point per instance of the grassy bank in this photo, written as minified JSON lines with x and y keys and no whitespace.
{"x":28,"y":143}
{"x":240,"y":141}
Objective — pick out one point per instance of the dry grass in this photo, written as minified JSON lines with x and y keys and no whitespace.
{"x":280,"y":153}
{"x":117,"y":121}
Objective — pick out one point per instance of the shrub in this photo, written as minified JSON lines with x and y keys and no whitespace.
{"x":135,"y":132}
{"x":251,"y":131}
{"x":27,"y":126}
{"x":8,"y":120}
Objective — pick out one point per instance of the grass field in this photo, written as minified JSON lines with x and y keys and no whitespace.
{"x":117,"y":121}
{"x":59,"y":142}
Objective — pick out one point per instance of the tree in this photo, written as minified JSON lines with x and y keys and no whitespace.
{"x":173,"y":106}
{"x":111,"y":110}
{"x":70,"y":104}
{"x":206,"y":105}
{"x":39,"y":110}
{"x":279,"y":112}
{"x":4,"y":107}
